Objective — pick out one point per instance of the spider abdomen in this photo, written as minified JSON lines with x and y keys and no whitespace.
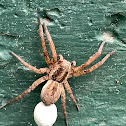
{"x":50,"y":92}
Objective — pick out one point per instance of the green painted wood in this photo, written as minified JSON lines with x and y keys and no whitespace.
{"x":76,"y":28}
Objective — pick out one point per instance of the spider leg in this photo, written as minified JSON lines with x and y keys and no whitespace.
{"x":32,"y":87}
{"x":47,"y":59}
{"x":79,"y":73}
{"x":95,"y":56}
{"x":69,"y":91}
{"x":40,"y":71}
{"x":52,"y":46}
{"x":63,"y":101}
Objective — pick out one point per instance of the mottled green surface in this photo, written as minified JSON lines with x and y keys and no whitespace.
{"x":76,"y":27}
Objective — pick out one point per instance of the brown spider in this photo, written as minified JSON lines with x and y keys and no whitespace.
{"x":57,"y":74}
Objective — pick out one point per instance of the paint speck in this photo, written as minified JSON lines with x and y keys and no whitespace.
{"x":117,"y":81}
{"x":4,"y":55}
{"x":117,"y":91}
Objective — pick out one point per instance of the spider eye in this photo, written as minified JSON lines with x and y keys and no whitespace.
{"x":58,"y":57}
{"x":71,"y":63}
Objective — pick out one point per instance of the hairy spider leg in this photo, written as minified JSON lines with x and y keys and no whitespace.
{"x":95,"y":56}
{"x":69,"y":91}
{"x":39,"y":71}
{"x":79,"y":73}
{"x":63,"y":101}
{"x":32,"y":87}
{"x":47,"y":59}
{"x":52,"y":46}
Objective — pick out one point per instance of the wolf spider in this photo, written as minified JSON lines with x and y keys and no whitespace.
{"x":57,"y":74}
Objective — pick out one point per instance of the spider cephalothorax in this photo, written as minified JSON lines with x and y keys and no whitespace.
{"x":57,"y":74}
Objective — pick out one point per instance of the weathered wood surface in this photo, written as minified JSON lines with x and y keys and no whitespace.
{"x":76,"y":28}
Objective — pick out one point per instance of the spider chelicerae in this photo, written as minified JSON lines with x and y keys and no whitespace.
{"x":57,"y":74}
